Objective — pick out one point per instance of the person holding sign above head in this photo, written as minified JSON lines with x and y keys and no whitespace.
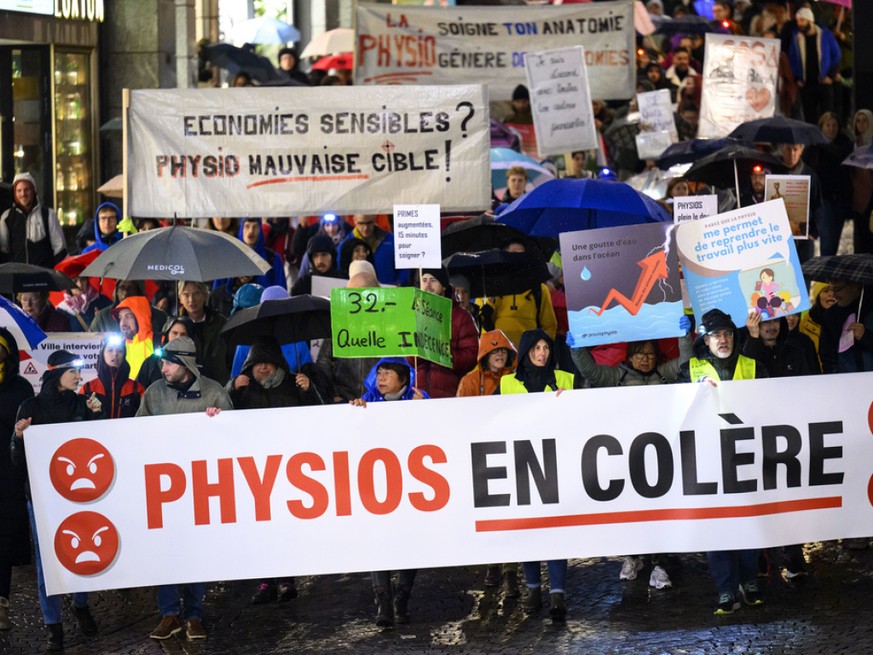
{"x":716,"y":358}
{"x":441,"y":381}
{"x":536,"y":372}
{"x":392,"y":378}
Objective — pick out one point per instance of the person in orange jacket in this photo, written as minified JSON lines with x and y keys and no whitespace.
{"x":496,"y":358}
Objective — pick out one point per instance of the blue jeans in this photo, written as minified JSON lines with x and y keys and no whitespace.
{"x":169,"y":600}
{"x":50,"y":605}
{"x":731,"y":568}
{"x":557,"y":569}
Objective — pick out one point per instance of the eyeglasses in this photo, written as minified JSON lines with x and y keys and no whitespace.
{"x":644,"y":355}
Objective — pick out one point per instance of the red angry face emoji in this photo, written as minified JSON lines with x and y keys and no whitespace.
{"x":82,"y":470}
{"x":86,"y":543}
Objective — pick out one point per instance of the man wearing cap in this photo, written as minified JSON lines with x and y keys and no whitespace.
{"x":815,"y":62}
{"x":716,"y":358}
{"x":29,"y":232}
{"x":181,"y":391}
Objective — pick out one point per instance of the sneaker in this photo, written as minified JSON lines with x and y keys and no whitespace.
{"x":87,"y":625}
{"x":266,"y":593}
{"x":533,"y":600}
{"x":55,"y":641}
{"x":5,"y":624}
{"x":727,"y":604}
{"x":169,"y":626}
{"x":286,"y":591}
{"x":492,"y":576}
{"x":510,"y":584}
{"x":659,"y":579}
{"x":194,"y":629}
{"x":630,"y":567}
{"x":558,"y":610}
{"x":750,"y":594}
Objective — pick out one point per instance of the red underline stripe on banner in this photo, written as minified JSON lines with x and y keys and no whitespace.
{"x":642,"y":516}
{"x":309,"y":178}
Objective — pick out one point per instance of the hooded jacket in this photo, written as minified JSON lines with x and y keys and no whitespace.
{"x":382,"y":246}
{"x":372,"y":395}
{"x":31,"y":237}
{"x":102,"y":242}
{"x":481,"y":381}
{"x":276,"y":274}
{"x":142,"y":345}
{"x":529,"y":378}
{"x":785,"y":359}
{"x":119,"y":394}
{"x":285,"y":394}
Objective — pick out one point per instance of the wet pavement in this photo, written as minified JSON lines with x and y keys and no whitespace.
{"x":453,"y":612}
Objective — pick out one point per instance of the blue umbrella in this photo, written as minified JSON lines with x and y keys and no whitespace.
{"x":568,"y":204}
{"x":22,"y":326}
{"x":502,"y":159}
{"x":265,"y":30}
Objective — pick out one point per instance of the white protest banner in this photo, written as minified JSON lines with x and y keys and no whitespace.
{"x":560,"y":100}
{"x":656,"y":112}
{"x":280,"y":150}
{"x":793,"y":190}
{"x":742,"y":261}
{"x":651,"y":145}
{"x":487,"y":45}
{"x":417,"y":236}
{"x":85,"y":345}
{"x":692,"y":208}
{"x":464,"y":480}
{"x":739,"y":82}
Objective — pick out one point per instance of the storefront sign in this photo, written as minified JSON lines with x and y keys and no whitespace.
{"x":587,"y":473}
{"x":274,"y":151}
{"x":90,"y":10}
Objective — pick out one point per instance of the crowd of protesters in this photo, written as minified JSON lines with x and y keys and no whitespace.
{"x":163,"y":352}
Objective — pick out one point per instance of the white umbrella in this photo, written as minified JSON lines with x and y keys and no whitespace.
{"x":331,"y":42}
{"x":264,"y":30}
{"x":112,"y":188}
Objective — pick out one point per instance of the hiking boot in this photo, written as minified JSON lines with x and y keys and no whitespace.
{"x":55,"y":641}
{"x":727,"y":604}
{"x":558,"y":610}
{"x":169,"y":626}
{"x":533,"y":600}
{"x":401,"y":604}
{"x":659,"y":579}
{"x":194,"y":629}
{"x":286,"y":590}
{"x":510,"y":584}
{"x":87,"y":625}
{"x":4,"y":614}
{"x":492,"y":576}
{"x":384,"y":609}
{"x":266,"y":593}
{"x":630,"y":567}
{"x":750,"y":594}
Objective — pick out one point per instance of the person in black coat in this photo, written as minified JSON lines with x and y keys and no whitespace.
{"x":56,"y":402}
{"x":14,"y":531}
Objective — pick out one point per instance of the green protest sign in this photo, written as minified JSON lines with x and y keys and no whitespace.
{"x":391,"y":322}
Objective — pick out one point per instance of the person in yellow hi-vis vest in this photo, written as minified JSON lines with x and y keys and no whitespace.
{"x":536,"y":371}
{"x":717,"y":358}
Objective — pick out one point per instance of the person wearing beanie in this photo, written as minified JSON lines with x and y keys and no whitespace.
{"x":119,"y":394}
{"x":14,"y":526}
{"x":321,"y":261}
{"x":815,"y":61}
{"x":521,"y":112}
{"x":175,"y":326}
{"x":248,"y":295}
{"x":381,"y":245}
{"x":289,"y":60}
{"x":182,"y":390}
{"x":29,"y":232}
{"x":352,"y":250}
{"x":441,"y":381}
{"x":56,"y":402}
{"x":716,"y":357}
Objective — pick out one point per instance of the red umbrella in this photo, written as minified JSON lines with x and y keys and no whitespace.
{"x":342,"y":61}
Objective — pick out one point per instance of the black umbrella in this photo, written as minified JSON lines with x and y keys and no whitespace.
{"x":497,"y":272}
{"x":177,"y":253}
{"x":690,"y":150}
{"x":724,"y":167}
{"x":483,"y":233}
{"x":848,"y":268}
{"x":239,"y":60}
{"x":689,"y":24}
{"x":779,"y":129}
{"x":289,"y":320}
{"x":17,"y":278}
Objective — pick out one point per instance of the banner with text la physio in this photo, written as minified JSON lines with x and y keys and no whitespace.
{"x":486,"y":45}
{"x":154,"y":500}
{"x":290,"y":150}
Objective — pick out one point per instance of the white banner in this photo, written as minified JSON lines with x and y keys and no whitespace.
{"x":739,"y":82}
{"x":85,"y":345}
{"x":561,"y":101}
{"x":281,"y":150}
{"x":463,"y":480}
{"x":487,"y":45}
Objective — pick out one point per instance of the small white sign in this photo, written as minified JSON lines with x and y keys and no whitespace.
{"x":656,"y":112}
{"x":692,"y":208}
{"x":650,"y":145}
{"x":417,"y":236}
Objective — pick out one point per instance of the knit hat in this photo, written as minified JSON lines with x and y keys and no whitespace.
{"x":806,"y":13}
{"x":182,"y":351}
{"x":288,"y":51}
{"x":361,"y":266}
{"x":248,"y":295}
{"x":274,"y":292}
{"x":441,"y":274}
{"x":520,"y":93}
{"x":321,"y":243}
{"x":59,"y":362}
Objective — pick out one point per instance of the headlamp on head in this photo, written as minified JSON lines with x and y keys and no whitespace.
{"x":330,"y":218}
{"x":115,"y":340}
